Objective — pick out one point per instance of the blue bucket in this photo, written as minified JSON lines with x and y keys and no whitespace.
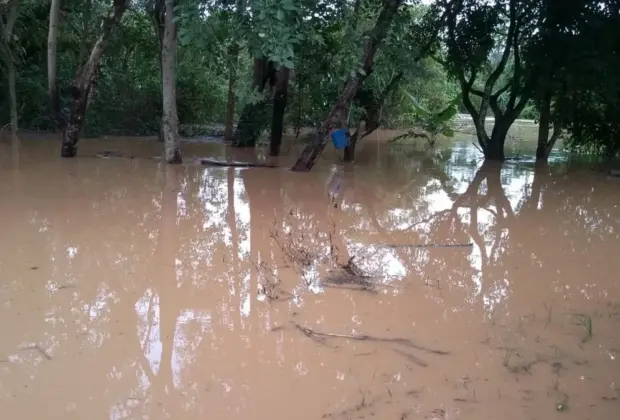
{"x":340,"y":138}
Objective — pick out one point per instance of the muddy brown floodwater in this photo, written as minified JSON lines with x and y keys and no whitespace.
{"x":411,"y":285}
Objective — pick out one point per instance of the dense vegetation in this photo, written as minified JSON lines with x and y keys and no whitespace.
{"x":143,"y":66}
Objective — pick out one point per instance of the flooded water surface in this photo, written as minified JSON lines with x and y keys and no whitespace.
{"x":410,"y":285}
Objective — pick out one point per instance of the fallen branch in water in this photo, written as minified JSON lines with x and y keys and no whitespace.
{"x":411,"y":358}
{"x":39,"y":349}
{"x":112,"y":154}
{"x":370,"y":288}
{"x":412,"y":134}
{"x":322,"y":337}
{"x":319,"y":338}
{"x":427,"y":245}
{"x":233,"y":164}
{"x":476,"y":146}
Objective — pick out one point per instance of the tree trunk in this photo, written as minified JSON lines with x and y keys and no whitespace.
{"x":253,"y":118}
{"x":371,"y":107}
{"x":543,"y":127}
{"x":168,"y":64}
{"x":279,"y":106}
{"x":337,"y":116}
{"x":349,"y":151}
{"x":233,"y":55}
{"x":158,"y":12}
{"x":86,"y":79}
{"x":495,"y":146}
{"x":12,"y":94}
{"x":86,"y":9}
{"x":52,"y":43}
{"x":7,"y":24}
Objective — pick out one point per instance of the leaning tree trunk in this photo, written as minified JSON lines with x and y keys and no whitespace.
{"x":279,"y":106}
{"x":371,"y":114}
{"x":86,"y":14}
{"x":168,"y":64}
{"x":52,"y":43}
{"x":337,"y":116}
{"x":86,"y":79}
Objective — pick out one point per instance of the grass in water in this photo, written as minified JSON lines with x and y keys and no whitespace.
{"x":586,"y":321}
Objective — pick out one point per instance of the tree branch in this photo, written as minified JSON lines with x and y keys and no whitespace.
{"x":517,"y":70}
{"x":477,"y":92}
{"x":11,"y":19}
{"x":501,"y":66}
{"x":493,"y":103}
{"x":503,"y":89}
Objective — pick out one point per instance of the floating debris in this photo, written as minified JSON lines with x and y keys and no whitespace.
{"x":322,"y":337}
{"x":468,"y":245}
{"x":37,"y":348}
{"x":411,"y":358}
{"x":112,"y":154}
{"x":233,"y":163}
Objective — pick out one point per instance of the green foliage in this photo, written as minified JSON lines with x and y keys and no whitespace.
{"x":585,"y":83}
{"x":322,"y":41}
{"x":435,"y":122}
{"x":127,"y":97}
{"x":474,"y":39}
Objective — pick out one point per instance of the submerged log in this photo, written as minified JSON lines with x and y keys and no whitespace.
{"x":233,"y":163}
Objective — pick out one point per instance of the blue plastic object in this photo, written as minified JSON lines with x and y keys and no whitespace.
{"x":340,"y":138}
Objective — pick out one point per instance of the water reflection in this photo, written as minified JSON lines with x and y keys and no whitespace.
{"x":159,"y":275}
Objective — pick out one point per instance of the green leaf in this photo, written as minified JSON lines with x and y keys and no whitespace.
{"x":418,"y":109}
{"x":280,"y":15}
{"x":448,"y":132}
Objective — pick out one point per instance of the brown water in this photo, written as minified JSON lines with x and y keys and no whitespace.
{"x":130,"y":289}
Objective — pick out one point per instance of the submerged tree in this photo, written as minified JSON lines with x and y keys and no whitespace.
{"x":52,"y":45}
{"x":579,"y":89}
{"x":338,"y":115}
{"x":484,"y":52}
{"x":10,"y":10}
{"x":279,"y":106}
{"x":85,"y":80}
{"x":413,"y":36}
{"x":273,"y":31}
{"x":168,"y":65}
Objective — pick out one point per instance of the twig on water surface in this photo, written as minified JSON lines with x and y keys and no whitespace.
{"x":427,"y":245}
{"x":312,"y":335}
{"x":322,"y":337}
{"x":586,"y":321}
{"x":549,"y":310}
{"x":233,"y":164}
{"x":411,"y":358}
{"x":477,"y":147}
{"x":39,"y":349}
